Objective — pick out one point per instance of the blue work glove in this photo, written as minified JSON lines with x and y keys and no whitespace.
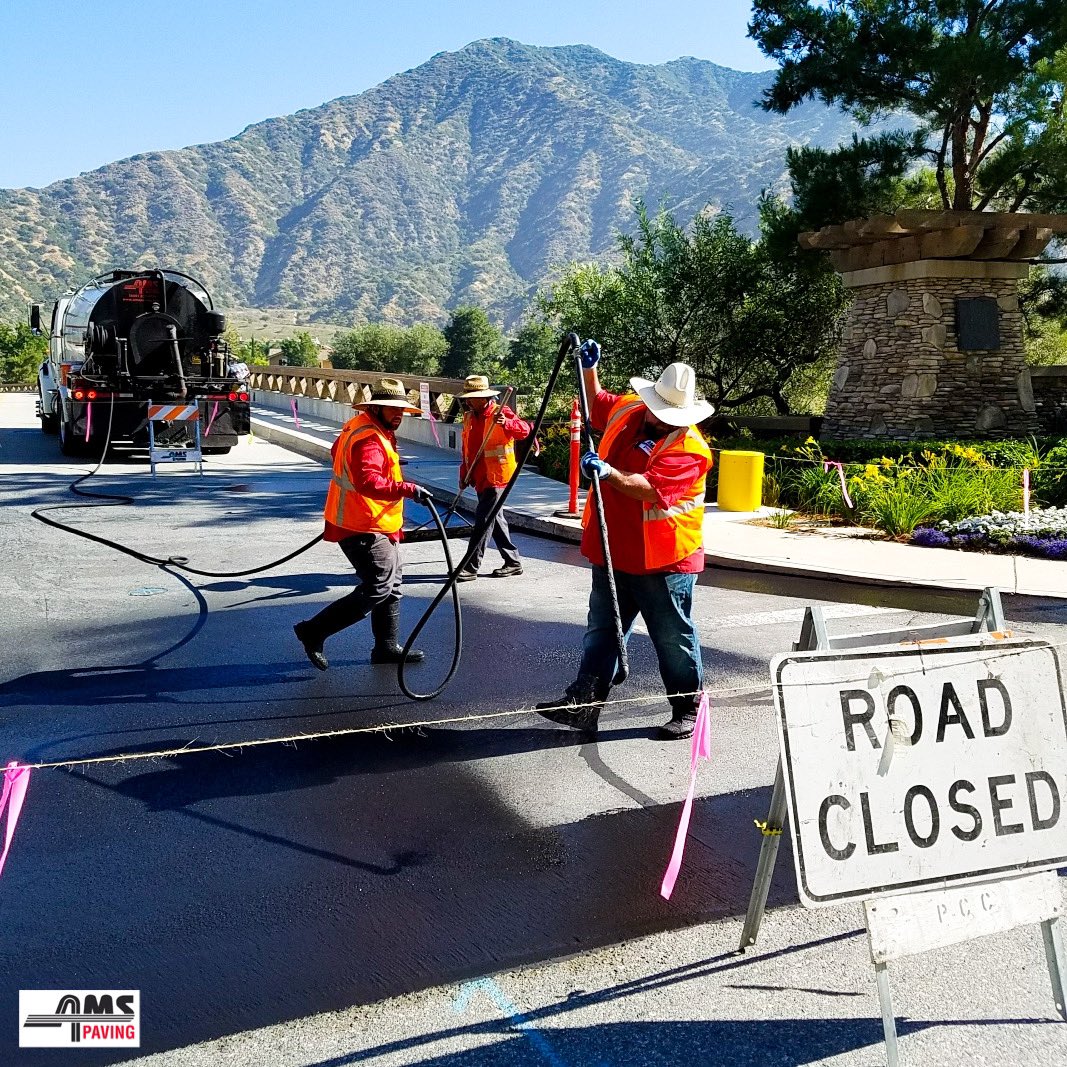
{"x":592,"y":464}
{"x":590,"y":353}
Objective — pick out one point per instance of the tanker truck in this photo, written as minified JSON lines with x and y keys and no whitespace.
{"x":130,"y":338}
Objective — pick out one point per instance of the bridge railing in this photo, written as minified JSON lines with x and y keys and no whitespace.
{"x":348,"y":386}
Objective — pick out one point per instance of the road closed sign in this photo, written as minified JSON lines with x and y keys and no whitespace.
{"x":915,"y":766}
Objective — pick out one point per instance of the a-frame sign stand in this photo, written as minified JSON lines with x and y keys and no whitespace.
{"x":814,"y":636}
{"x":893,"y":931}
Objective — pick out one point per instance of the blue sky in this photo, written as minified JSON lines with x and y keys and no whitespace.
{"x":86,"y":82}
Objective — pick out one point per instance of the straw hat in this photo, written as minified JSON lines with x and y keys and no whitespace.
{"x":477,"y":385}
{"x":389,"y":393}
{"x":672,"y":397}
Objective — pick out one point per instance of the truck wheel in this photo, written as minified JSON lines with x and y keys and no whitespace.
{"x":49,"y":423}
{"x":69,"y":443}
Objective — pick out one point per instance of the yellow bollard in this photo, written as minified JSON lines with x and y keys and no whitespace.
{"x":740,"y":481}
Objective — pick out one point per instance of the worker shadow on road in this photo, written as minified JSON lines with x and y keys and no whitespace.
{"x":188,"y":778}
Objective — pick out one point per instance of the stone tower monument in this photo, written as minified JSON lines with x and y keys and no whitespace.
{"x":933,"y":342}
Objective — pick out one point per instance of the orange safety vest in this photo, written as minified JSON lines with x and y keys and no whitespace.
{"x":674,"y":533}
{"x":346,"y":506}
{"x":498,"y":453}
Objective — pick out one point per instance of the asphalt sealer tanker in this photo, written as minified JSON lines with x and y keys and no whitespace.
{"x":130,"y":338}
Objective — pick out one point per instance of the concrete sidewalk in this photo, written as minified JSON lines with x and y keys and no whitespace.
{"x":730,"y":538}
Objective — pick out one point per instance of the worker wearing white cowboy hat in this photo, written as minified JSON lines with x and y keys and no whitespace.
{"x":364,"y":513}
{"x":653,"y":473}
{"x":490,"y":431}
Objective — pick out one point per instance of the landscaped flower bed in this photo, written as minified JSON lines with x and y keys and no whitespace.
{"x":1042,"y":533}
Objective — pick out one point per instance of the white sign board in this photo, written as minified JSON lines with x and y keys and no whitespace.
{"x":917,"y":765}
{"x":906,"y":923}
{"x":424,"y":399}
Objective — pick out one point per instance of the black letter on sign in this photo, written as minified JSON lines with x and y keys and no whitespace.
{"x":935,"y":818}
{"x":863,"y":718}
{"x":1043,"y":776}
{"x":957,"y":718}
{"x":988,"y":728}
{"x":824,"y":831}
{"x":964,"y":809}
{"x":868,"y":830}
{"x":916,"y":711}
{"x":1003,"y":829}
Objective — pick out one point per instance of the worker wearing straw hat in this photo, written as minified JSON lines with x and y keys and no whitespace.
{"x":490,"y":431}
{"x":653,"y":474}
{"x":364,"y":513}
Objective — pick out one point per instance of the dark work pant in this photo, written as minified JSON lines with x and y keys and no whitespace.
{"x":487,"y":498}
{"x":376,"y":561}
{"x":665,"y":602}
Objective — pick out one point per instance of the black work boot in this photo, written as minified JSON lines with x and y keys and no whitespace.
{"x":385,"y":625}
{"x":579,"y":707}
{"x":312,"y":644}
{"x":681,"y":724}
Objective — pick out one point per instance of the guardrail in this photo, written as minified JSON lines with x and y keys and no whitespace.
{"x":17,"y":387}
{"x":346,"y":386}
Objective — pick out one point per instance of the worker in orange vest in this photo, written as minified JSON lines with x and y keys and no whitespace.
{"x":364,"y":513}
{"x":489,"y":435}
{"x":652,"y":465}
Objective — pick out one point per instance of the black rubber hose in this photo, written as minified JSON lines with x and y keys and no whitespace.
{"x":569,"y":344}
{"x":623,"y":670}
{"x":112,"y":500}
{"x":457,"y":649}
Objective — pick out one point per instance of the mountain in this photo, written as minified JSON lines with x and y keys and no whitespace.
{"x":465,"y":180}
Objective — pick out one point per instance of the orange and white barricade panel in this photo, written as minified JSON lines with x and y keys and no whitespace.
{"x":174,"y":413}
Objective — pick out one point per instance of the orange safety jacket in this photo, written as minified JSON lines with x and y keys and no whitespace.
{"x":498,"y":453}
{"x":346,"y":506}
{"x":669,"y":534}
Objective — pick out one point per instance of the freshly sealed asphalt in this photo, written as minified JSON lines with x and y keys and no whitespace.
{"x":245,"y":888}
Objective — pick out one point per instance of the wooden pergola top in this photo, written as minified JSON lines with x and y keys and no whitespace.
{"x":912,"y":235}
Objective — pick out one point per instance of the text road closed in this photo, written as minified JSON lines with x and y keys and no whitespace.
{"x":970,"y":780}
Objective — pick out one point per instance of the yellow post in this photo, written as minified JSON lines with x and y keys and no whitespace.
{"x":740,"y":481}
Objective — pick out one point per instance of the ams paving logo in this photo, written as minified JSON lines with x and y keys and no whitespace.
{"x":88,"y":1018}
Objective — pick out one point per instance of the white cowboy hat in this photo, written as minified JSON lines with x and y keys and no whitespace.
{"x":389,"y":393}
{"x":672,"y":397}
{"x":477,"y":385}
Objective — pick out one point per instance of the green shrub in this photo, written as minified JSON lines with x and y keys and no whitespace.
{"x":555,"y":458}
{"x":898,"y":505}
{"x":1048,"y":482}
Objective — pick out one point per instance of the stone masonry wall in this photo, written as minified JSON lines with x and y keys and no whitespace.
{"x":899,"y":374}
{"x":1050,"y":394}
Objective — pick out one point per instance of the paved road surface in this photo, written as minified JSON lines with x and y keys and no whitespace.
{"x":250,"y":888}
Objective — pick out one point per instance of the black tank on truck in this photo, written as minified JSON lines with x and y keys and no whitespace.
{"x":130,"y":338}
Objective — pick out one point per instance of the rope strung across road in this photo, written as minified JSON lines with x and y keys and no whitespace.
{"x":385,"y":728}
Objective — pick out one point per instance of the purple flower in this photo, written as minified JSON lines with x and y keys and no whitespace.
{"x":929,"y":537}
{"x":1045,"y":547}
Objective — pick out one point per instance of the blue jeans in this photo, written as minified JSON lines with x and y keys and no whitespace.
{"x":665,"y":602}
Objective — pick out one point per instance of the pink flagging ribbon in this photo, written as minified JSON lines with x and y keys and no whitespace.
{"x":433,"y":426}
{"x":211,"y":421}
{"x":701,"y":749}
{"x":16,"y":782}
{"x":826,"y":465}
{"x":296,"y":417}
{"x":1026,"y":491}
{"x":88,"y":420}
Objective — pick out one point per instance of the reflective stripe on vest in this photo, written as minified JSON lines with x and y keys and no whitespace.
{"x":346,"y":506}
{"x":498,"y":453}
